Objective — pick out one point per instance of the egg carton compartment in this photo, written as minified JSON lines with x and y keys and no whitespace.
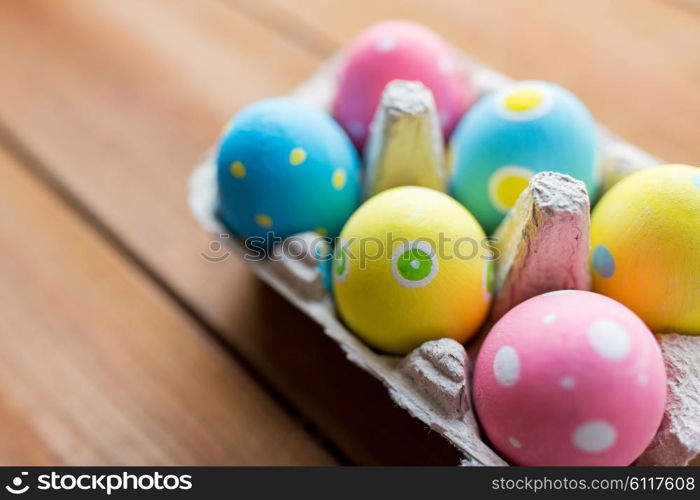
{"x":544,"y":247}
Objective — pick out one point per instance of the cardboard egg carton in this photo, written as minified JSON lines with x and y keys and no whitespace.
{"x":544,"y":247}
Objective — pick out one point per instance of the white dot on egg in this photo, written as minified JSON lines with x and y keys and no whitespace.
{"x":548,"y":319}
{"x":515,"y":443}
{"x":594,"y":436}
{"x":386,"y":44}
{"x":506,"y":366}
{"x":567,"y":383}
{"x":643,"y":379}
{"x":445,"y":66}
{"x":609,"y":339}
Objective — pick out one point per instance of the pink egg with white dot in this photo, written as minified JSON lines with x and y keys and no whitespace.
{"x":570,"y":378}
{"x":394,"y":50}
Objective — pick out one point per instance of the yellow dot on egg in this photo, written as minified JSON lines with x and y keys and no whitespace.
{"x":263,"y":220}
{"x":339,"y":178}
{"x":506,"y":184}
{"x":321,"y":231}
{"x":237,"y":169}
{"x":297,"y":156}
{"x":509,"y":189}
{"x":523,"y":99}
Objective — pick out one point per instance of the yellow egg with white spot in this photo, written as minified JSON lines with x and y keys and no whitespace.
{"x":412,"y":265}
{"x":645,"y":246}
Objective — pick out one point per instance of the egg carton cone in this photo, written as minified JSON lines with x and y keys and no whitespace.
{"x":405,"y":147}
{"x":544,"y":246}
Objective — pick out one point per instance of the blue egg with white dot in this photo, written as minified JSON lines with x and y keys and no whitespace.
{"x":283,"y":168}
{"x":514,"y":133}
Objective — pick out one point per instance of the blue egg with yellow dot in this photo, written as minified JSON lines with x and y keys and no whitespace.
{"x":514,"y":133}
{"x":283,"y":168}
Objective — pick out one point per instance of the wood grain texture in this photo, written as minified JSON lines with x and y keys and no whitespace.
{"x":118,"y":113}
{"x":118,"y":100}
{"x":97,"y":367}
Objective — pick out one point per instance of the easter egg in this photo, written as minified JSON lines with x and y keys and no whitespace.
{"x":284,"y":168}
{"x":412,"y":265}
{"x":570,"y":378}
{"x":645,"y":246}
{"x":512,"y":134}
{"x":394,"y":50}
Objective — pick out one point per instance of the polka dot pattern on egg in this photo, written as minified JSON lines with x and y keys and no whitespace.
{"x":238,"y":170}
{"x":341,"y":266}
{"x":414,"y":264}
{"x":263,"y":220}
{"x":403,"y":287}
{"x":585,"y":389}
{"x":274,"y":171}
{"x":567,"y":382}
{"x":397,"y":50}
{"x":549,"y":318}
{"x":386,"y":44}
{"x":506,"y":366}
{"x":339,"y":178}
{"x":594,"y":436}
{"x":445,"y":66}
{"x":506,"y":184}
{"x":297,"y":156}
{"x":524,"y":101}
{"x":609,"y":339}
{"x":649,"y":223}
{"x":534,"y":126}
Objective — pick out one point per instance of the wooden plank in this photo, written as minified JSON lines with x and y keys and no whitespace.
{"x":118,"y":100}
{"x":690,"y":6}
{"x":119,"y":111}
{"x":97,"y":365}
{"x":635,"y":63}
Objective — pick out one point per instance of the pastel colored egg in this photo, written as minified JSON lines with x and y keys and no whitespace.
{"x":394,"y":50}
{"x":645,"y":246}
{"x":285,"y":168}
{"x":570,"y":378}
{"x":510,"y":135}
{"x":411,"y":266}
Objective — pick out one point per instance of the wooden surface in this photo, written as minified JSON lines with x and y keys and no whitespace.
{"x":120,"y":344}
